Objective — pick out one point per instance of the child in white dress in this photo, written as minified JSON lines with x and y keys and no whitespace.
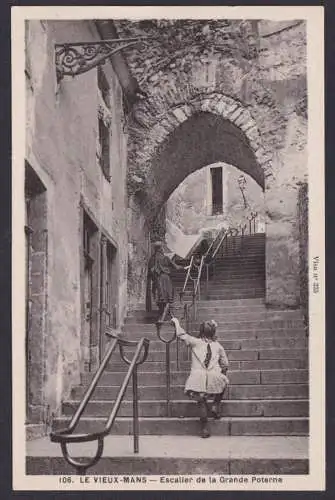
{"x":207,"y":379}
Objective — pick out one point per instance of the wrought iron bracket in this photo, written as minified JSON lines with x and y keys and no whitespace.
{"x":75,"y":58}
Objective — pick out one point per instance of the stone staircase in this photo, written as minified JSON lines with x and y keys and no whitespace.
{"x":267,"y":398}
{"x":238,"y":271}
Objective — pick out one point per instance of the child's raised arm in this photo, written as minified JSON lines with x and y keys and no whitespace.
{"x":188,"y":339}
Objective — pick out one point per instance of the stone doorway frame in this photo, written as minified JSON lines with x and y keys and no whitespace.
{"x":36,"y":292}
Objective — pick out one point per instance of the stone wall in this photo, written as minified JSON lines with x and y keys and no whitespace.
{"x":62,"y":130}
{"x":283,"y":69}
{"x":303,"y":247}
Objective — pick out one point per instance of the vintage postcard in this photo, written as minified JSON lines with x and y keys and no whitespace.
{"x":168,"y":248}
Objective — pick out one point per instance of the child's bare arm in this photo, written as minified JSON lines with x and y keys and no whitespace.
{"x":188,"y":339}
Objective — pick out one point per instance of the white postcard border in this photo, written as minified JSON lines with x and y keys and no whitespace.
{"x":315,"y":480}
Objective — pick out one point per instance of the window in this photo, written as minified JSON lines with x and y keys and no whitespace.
{"x":104,"y":123}
{"x":217,"y":198}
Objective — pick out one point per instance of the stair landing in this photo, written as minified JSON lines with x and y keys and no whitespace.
{"x":180,"y":455}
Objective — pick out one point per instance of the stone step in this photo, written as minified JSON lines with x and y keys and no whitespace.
{"x":229,"y":262}
{"x":233,"y":355}
{"x":224,"y":307}
{"x":227,"y":315}
{"x":221,"y":293}
{"x":238,"y":377}
{"x":231,"y":292}
{"x":218,"y":273}
{"x":236,"y":392}
{"x":227,"y":426}
{"x":228,"y":274}
{"x":235,"y":334}
{"x":116,"y":465}
{"x":154,"y":366}
{"x":140,"y":307}
{"x":236,"y":294}
{"x":239,"y":261}
{"x":232,"y":273}
{"x":255,"y":262}
{"x":220,"y":278}
{"x":263,"y":354}
{"x":235,"y":365}
{"x":202,"y":307}
{"x":176,"y":455}
{"x":220,"y":281}
{"x":158,"y":345}
{"x":226,"y":326}
{"x":233,"y":345}
{"x":187,"y":408}
{"x":221,"y":284}
{"x":233,"y":302}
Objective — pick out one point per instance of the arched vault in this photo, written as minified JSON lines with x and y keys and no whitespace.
{"x":210,"y":129}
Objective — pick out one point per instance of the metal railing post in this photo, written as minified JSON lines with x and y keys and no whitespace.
{"x":168,"y":379}
{"x":207,"y":279}
{"x":136,"y":429}
{"x":167,"y":343}
{"x":177,"y":353}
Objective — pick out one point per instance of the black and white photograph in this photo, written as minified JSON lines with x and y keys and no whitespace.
{"x":168,"y":248}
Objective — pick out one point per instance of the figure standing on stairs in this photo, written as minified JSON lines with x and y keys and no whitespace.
{"x":159,"y":270}
{"x":207,"y":380}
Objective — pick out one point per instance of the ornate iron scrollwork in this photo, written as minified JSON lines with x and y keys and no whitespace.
{"x":75,"y":58}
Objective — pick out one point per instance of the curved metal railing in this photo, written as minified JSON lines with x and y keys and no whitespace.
{"x":187,"y":277}
{"x":167,"y":342}
{"x":68,"y":435}
{"x":216,"y":244}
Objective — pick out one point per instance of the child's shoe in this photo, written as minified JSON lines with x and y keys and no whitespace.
{"x":204,"y":432}
{"x":216,"y":411}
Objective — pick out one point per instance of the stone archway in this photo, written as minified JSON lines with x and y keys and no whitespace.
{"x":208,"y":129}
{"x":264,"y":106}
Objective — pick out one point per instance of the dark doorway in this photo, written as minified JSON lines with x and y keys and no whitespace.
{"x":109,"y":290}
{"x":36,"y":246}
{"x":90,"y":290}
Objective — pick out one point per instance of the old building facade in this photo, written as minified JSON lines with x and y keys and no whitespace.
{"x":76,"y":238}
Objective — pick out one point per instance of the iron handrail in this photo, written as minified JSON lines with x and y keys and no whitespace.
{"x":167,"y":342}
{"x":187,"y":277}
{"x":223,"y":237}
{"x":197,"y":284}
{"x":214,"y":242}
{"x":66,"y":436}
{"x":187,"y":306}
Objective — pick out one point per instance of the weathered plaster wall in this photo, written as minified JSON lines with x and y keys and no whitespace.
{"x":189,"y":206}
{"x":61,"y":147}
